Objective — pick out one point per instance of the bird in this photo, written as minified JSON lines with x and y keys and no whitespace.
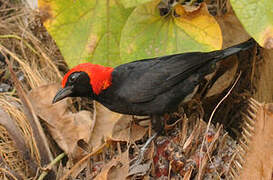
{"x":148,"y":87}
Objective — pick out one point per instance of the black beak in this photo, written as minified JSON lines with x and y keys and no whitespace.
{"x":63,"y":93}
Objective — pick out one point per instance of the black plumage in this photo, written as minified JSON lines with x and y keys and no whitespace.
{"x":158,"y":85}
{"x":152,"y":86}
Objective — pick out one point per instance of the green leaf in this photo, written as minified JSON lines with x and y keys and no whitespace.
{"x":86,"y":30}
{"x":257,"y":18}
{"x":133,"y":3}
{"x":146,"y":34}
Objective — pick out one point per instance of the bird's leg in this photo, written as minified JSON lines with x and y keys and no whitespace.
{"x":158,"y":126}
{"x":158,"y":123}
{"x":143,"y":150}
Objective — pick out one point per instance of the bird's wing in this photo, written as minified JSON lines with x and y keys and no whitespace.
{"x":142,"y":81}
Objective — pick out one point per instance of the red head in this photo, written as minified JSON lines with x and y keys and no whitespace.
{"x":85,"y":80}
{"x":100,"y":76}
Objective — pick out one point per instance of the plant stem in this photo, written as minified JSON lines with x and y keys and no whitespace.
{"x":49,"y":167}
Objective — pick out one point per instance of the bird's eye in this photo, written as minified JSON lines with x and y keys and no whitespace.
{"x":73,"y":77}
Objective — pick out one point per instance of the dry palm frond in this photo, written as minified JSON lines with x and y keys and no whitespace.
{"x":11,"y":157}
{"x":31,"y":52}
{"x":254,"y":159}
{"x":13,"y":108}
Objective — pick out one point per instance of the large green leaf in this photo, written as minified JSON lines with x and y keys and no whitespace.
{"x":147,"y":34}
{"x":86,"y":30}
{"x":133,"y":3}
{"x":257,"y":18}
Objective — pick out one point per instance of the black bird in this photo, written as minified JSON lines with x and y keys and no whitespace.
{"x":145,"y":87}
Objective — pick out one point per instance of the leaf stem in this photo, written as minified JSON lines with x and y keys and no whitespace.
{"x":49,"y":167}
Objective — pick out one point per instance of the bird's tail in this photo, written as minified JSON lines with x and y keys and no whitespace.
{"x":235,"y":49}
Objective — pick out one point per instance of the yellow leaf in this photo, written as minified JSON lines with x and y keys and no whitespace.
{"x":199,"y":24}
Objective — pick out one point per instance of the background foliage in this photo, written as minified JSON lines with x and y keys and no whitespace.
{"x":112,"y":32}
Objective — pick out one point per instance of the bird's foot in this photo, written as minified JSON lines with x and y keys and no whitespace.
{"x":142,"y":151}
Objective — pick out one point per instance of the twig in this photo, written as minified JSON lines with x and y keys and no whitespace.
{"x":50,"y":166}
{"x":211,"y":116}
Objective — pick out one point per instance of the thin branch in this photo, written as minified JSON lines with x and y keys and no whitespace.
{"x":50,"y":166}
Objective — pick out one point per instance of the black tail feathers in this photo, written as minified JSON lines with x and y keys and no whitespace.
{"x":236,"y":49}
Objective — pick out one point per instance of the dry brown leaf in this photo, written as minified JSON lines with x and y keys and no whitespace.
{"x":105,"y":170}
{"x":232,"y":30}
{"x":229,"y":67}
{"x":113,"y":126}
{"x":104,"y":123}
{"x":123,"y":132}
{"x":66,"y":128}
{"x":116,"y":169}
{"x":121,"y":171}
{"x":259,"y":158}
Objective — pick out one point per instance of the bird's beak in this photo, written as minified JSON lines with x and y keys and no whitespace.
{"x":62,"y":93}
